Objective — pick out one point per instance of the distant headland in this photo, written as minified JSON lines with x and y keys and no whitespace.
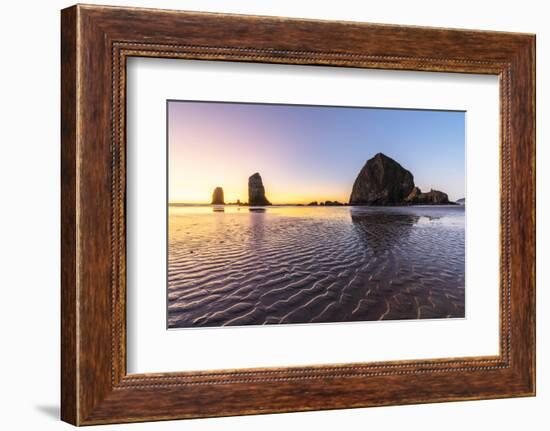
{"x":381,"y":182}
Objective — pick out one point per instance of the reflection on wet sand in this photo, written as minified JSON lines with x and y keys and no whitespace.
{"x":304,"y":265}
{"x":380,"y":231}
{"x":256,"y":210}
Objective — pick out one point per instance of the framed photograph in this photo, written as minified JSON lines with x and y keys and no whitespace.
{"x":266,"y":215}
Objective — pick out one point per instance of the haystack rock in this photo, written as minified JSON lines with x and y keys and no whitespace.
{"x":256,"y":191}
{"x":382,"y":181}
{"x":217,"y":196}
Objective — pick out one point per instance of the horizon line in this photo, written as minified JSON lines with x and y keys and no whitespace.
{"x":246,"y":203}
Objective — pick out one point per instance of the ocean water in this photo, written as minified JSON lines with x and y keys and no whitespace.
{"x":230,"y":265}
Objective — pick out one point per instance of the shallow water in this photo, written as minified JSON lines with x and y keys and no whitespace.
{"x":232,"y":265}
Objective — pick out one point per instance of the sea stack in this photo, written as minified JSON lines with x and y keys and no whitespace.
{"x":217,"y":196}
{"x":433,"y":197}
{"x":383,"y":181}
{"x":256,"y":191}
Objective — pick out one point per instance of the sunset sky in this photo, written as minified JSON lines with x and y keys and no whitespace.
{"x":306,"y":153}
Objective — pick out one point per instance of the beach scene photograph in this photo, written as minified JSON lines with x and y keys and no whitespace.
{"x":306,"y":214}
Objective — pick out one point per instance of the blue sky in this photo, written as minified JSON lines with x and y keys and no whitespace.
{"x":306,"y":153}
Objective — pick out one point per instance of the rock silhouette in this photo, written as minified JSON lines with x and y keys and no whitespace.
{"x":383,"y":181}
{"x":433,"y":197}
{"x":256,"y":191}
{"x":217,"y":196}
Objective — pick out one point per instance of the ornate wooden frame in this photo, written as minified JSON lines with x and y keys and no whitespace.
{"x":95,"y":42}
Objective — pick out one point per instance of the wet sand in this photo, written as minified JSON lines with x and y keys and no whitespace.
{"x":242,"y":266}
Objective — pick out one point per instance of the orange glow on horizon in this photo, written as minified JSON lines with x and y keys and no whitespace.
{"x":204,"y":196}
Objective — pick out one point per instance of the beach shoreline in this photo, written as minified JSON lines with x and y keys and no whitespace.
{"x":307,"y":264}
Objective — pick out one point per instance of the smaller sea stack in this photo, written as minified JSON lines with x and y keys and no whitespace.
{"x":433,"y":197}
{"x":217,"y":196}
{"x":256,"y":191}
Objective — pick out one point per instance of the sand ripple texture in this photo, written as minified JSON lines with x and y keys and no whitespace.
{"x":281,"y":265}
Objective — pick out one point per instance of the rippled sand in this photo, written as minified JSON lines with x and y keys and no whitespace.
{"x":243,"y":266}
